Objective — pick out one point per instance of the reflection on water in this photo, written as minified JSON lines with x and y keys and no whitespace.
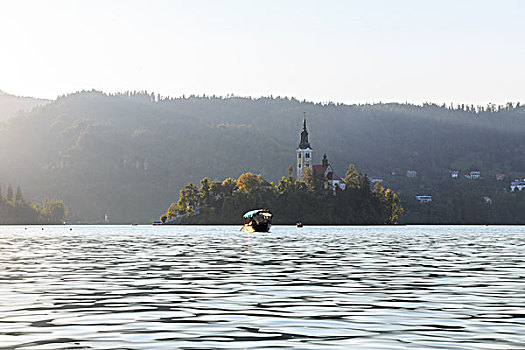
{"x":143,"y":287}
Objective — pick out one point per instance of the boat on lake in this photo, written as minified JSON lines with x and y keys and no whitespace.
{"x":259,"y":220}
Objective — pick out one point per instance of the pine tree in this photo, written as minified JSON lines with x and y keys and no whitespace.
{"x":18,"y":196}
{"x":10,"y":194}
{"x":352,"y":177}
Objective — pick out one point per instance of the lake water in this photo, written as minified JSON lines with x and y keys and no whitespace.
{"x":145,"y":287}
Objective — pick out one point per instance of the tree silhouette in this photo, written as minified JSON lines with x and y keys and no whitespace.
{"x":10,"y":195}
{"x":18,"y":196}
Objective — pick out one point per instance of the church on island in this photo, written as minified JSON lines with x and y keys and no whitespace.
{"x":305,"y":159}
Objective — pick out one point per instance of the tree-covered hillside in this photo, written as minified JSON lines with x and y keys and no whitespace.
{"x":11,"y":105}
{"x":129,"y":154}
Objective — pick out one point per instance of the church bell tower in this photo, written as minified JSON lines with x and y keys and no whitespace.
{"x":304,"y":152}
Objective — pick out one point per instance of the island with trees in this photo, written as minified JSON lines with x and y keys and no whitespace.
{"x":15,"y":210}
{"x":311,"y":201}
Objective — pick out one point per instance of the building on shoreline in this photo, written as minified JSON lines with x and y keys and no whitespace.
{"x":517,"y":185}
{"x":473,"y":175}
{"x":411,"y":174}
{"x":424,"y":199}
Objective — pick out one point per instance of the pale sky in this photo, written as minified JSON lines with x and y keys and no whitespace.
{"x":344,"y":51}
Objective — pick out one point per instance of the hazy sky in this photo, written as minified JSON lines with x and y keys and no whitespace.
{"x":344,"y":51}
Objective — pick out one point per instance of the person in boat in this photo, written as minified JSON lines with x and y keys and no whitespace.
{"x":258,"y":220}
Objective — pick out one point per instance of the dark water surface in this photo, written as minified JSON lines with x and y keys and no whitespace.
{"x":141,"y":287}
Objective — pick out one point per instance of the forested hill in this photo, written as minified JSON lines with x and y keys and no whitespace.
{"x":10,"y":105}
{"x":129,"y":154}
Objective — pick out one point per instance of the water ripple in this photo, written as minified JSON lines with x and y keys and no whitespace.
{"x":122,"y":287}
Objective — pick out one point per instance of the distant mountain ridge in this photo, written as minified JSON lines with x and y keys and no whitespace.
{"x":128,"y":154}
{"x":10,"y":105}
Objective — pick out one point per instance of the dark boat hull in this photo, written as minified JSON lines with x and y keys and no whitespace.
{"x":262,"y":227}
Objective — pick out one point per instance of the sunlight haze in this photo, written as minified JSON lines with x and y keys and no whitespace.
{"x":344,"y":51}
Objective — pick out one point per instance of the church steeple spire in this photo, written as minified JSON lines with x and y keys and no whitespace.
{"x":304,"y":152}
{"x":304,"y":121}
{"x":304,"y":135}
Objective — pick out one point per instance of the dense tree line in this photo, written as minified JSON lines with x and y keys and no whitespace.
{"x":14,"y":209}
{"x":311,"y":201}
{"x":463,"y":201}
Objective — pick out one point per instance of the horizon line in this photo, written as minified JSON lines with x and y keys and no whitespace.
{"x":271,"y":96}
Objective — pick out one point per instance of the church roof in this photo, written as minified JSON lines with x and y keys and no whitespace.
{"x":319,"y":169}
{"x":333,"y":176}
